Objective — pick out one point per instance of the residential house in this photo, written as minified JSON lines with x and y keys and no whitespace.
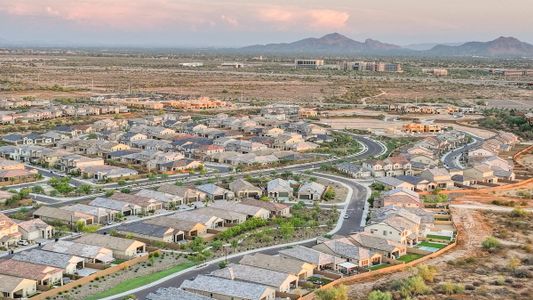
{"x":9,"y":234}
{"x":188,"y":194}
{"x":344,"y":248}
{"x":392,"y":166}
{"x":74,"y":163}
{"x":180,"y":165}
{"x":210,"y":221}
{"x":321,"y":260}
{"x":91,"y":254}
{"x":44,"y":275}
{"x":147,"y":204}
{"x":35,"y":229}
{"x":480,"y":174}
{"x":279,"y":190}
{"x":66,"y":262}
{"x":397,"y":228}
{"x":419,"y":183}
{"x":352,"y":170}
{"x":154,"y":232}
{"x":124,"y":208}
{"x":296,"y":267}
{"x":17,"y":288}
{"x":221,"y":288}
{"x":175,"y":293}
{"x":399,"y":198}
{"x":168,"y":200}
{"x":281,"y":282}
{"x":244,"y":189}
{"x":276,"y":209}
{"x":215,"y":192}
{"x":388,"y":248}
{"x":122,"y":248}
{"x":230,"y":217}
{"x":392,"y":183}
{"x":190,"y":229}
{"x":50,"y":214}
{"x":248,"y":210}
{"x":105,"y":172}
{"x":440,"y":176}
{"x":311,"y":191}
{"x":101,"y":215}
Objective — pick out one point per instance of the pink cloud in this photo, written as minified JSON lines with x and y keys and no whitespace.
{"x":283,"y":17}
{"x":230,"y":20}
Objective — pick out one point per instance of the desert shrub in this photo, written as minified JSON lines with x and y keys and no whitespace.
{"x":379,"y":295}
{"x":427,"y":272}
{"x":450,"y":288}
{"x":490,"y":243}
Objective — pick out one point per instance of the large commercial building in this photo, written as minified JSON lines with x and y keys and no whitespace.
{"x":308,"y":63}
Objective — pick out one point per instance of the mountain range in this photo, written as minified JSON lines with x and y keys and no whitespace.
{"x":337,"y":44}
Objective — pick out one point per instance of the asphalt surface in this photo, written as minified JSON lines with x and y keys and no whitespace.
{"x":452,"y":158}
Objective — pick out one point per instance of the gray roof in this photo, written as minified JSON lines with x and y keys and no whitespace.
{"x":145,"y":229}
{"x":90,"y":210}
{"x":275,"y":263}
{"x":112,"y":204}
{"x":249,"y":210}
{"x":311,"y":256}
{"x":47,"y":258}
{"x":243,"y":185}
{"x":344,"y":248}
{"x":159,"y":196}
{"x":79,"y":249}
{"x":312,"y":187}
{"x":174,"y":293}
{"x":279,"y":184}
{"x":371,"y":241}
{"x":227,"y":287}
{"x":391,"y":181}
{"x":254,"y":274}
{"x":212,"y":189}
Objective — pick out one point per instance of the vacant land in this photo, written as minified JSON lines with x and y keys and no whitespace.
{"x":51,"y":76}
{"x":493,"y":260}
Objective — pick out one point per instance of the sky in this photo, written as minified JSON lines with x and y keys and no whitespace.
{"x":231,"y":23}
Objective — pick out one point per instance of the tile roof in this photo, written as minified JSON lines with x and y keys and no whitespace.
{"x":170,"y":293}
{"x":311,"y":256}
{"x":41,"y":257}
{"x":107,"y":241}
{"x":27,"y":270}
{"x":81,"y":250}
{"x":275,"y":263}
{"x":231,"y":288}
{"x":254,"y":274}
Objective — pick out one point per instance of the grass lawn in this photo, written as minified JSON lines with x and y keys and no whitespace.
{"x":377,"y":267}
{"x":439,"y":237}
{"x":432,"y":245}
{"x":140,"y":281}
{"x":409,"y":257}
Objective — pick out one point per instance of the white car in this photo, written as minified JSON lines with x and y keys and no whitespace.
{"x":346,"y":216}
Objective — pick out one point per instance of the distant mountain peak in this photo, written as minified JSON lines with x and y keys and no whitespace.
{"x":502,"y":46}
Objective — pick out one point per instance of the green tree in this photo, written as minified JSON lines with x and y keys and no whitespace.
{"x":379,"y":295}
{"x":334,"y":293}
{"x":286,"y":229}
{"x":85,"y":189}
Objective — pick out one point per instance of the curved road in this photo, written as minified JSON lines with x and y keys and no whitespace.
{"x":452,"y":159}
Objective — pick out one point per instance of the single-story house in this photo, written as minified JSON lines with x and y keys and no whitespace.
{"x":107,"y":172}
{"x":92,"y":254}
{"x":279,"y":190}
{"x":190,"y":229}
{"x":17,"y":288}
{"x":249,"y":210}
{"x":154,"y":232}
{"x":168,"y":200}
{"x":101,"y":215}
{"x":244,"y":189}
{"x":175,"y":293}
{"x":281,"y":282}
{"x":146,"y":204}
{"x":344,"y":248}
{"x":54,"y":214}
{"x":391,"y":183}
{"x":44,"y":275}
{"x":229,"y":217}
{"x":292,"y":266}
{"x":221,"y":288}
{"x":125,"y":208}
{"x":311,"y":191}
{"x":122,"y":248}
{"x":312,"y":256}
{"x":276,"y":209}
{"x":215,"y":192}
{"x":210,"y":221}
{"x":188,"y":194}
{"x":68,"y":263}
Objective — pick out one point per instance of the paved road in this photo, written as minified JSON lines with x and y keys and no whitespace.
{"x":451,"y":159}
{"x":352,"y":224}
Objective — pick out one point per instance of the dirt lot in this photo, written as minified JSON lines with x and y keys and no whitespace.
{"x":50,"y":76}
{"x":501,"y":273}
{"x":526,"y":160}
